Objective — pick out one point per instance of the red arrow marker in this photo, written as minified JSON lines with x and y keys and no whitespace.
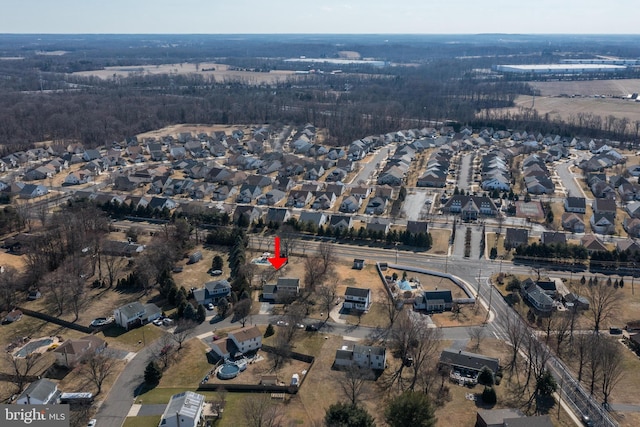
{"x":277,"y":261}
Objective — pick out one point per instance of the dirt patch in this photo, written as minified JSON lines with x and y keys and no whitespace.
{"x":16,"y":261}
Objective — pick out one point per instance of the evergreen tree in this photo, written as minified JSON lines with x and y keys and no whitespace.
{"x":152,"y":374}
{"x":411,"y":408}
{"x":201,"y":314}
{"x":269,"y":331}
{"x":347,"y":415}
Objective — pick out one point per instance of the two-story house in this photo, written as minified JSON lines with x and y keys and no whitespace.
{"x":212,"y":292}
{"x":357,"y":299}
{"x":136,"y":314}
{"x":247,"y":339}
{"x":362,"y":356}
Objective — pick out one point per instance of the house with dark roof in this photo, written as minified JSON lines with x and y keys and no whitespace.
{"x":434,"y":301}
{"x":316,"y":219}
{"x":362,"y":356}
{"x":550,"y":237}
{"x":466,"y":366}
{"x":277,"y":215}
{"x":516,"y":237}
{"x":603,"y":222}
{"x":470,"y":207}
{"x":249,"y":214}
{"x":575,"y":204}
{"x":357,"y":298}
{"x":183,"y":410}
{"x":40,"y":392}
{"x":417,"y":227}
{"x":379,"y":225}
{"x":537,"y":297}
{"x":284,"y":288}
{"x":510,"y":418}
{"x":341,"y":221}
{"x":632,"y":226}
{"x":604,"y":206}
{"x":212,"y":292}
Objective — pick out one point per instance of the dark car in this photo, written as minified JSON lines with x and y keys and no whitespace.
{"x":311,"y":327}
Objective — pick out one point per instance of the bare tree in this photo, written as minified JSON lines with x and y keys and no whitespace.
{"x":476,"y":335}
{"x":424,"y":350}
{"x":562,"y":328}
{"x":260,"y":411}
{"x":392,"y":306}
{"x":165,"y":351}
{"x":516,"y":332}
{"x":580,"y":348}
{"x":97,"y":367}
{"x":114,"y":266}
{"x":23,"y":368}
{"x":183,"y":331}
{"x":604,"y":301}
{"x":354,"y":383}
{"x":9,"y":286}
{"x":326,"y":298}
{"x":313,"y":272}
{"x":325,"y":250}
{"x":242,"y":310}
{"x":594,"y":361}
{"x":282,"y":349}
{"x":612,"y":362}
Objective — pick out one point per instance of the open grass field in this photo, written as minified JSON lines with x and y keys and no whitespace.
{"x":615,"y":87}
{"x":219,"y":73}
{"x":441,"y":239}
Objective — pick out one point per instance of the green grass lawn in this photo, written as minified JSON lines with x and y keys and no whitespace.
{"x":147,"y":421}
{"x":375,"y":317}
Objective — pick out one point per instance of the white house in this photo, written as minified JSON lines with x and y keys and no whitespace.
{"x":40,"y":392}
{"x":357,"y":298}
{"x":183,"y":410}
{"x":239,"y":341}
{"x":363,"y":356}
{"x":136,"y":314}
{"x":247,"y":339}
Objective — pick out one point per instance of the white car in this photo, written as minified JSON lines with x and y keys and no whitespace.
{"x":210,"y":306}
{"x":157,"y":322}
{"x":92,"y":422}
{"x":167,"y":322}
{"x":282,"y":323}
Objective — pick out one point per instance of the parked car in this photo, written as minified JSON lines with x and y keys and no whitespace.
{"x":312,"y":328}
{"x":615,"y":331}
{"x":587,"y":421}
{"x":215,"y":272}
{"x":210,"y":306}
{"x":92,"y":422}
{"x":101,"y":321}
{"x":167,"y":322}
{"x":157,"y":322}
{"x":282,"y":323}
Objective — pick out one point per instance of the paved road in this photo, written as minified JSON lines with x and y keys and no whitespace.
{"x":369,"y":167}
{"x":464,"y":172}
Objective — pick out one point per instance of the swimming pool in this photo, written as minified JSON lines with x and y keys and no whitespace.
{"x":33,"y":346}
{"x":228,"y":371}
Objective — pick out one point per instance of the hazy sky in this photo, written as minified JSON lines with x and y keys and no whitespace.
{"x":320,"y":16}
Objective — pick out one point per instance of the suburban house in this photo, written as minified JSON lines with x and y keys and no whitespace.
{"x":183,"y":410}
{"x":341,"y":222}
{"x":575,"y":204}
{"x":550,"y":237}
{"x":212,"y":292}
{"x":470,"y":207}
{"x":537,"y":297}
{"x":510,"y":418}
{"x":40,"y":392}
{"x":284,"y":288}
{"x":299,"y":198}
{"x":316,"y":219}
{"x":72,"y":351}
{"x":434,"y":301}
{"x":592,"y":243}
{"x":604,"y":206}
{"x":351,"y":204}
{"x":237,"y":343}
{"x":362,"y":356}
{"x":632,"y":226}
{"x":466,"y":366}
{"x":135,"y":314}
{"x":573,"y":222}
{"x":277,"y":216}
{"x":13,"y":316}
{"x":603,"y":222}
{"x":516,"y":237}
{"x":357,"y":298}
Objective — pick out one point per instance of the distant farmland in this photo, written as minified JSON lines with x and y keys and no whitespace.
{"x":566,"y":98}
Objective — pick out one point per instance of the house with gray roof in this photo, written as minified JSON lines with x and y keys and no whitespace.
{"x":434,"y":301}
{"x":40,"y":392}
{"x":317,"y":219}
{"x":466,"y":366}
{"x":136,"y":314}
{"x":362,"y":356}
{"x":278,"y":215}
{"x":284,"y":288}
{"x":183,"y":410}
{"x":516,"y":237}
{"x":212,"y":292}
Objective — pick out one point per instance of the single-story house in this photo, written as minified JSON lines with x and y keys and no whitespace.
{"x":40,"y":392}
{"x":183,"y":410}
{"x":363,"y":356}
{"x":13,"y":316}
{"x":466,"y":366}
{"x":510,"y":418}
